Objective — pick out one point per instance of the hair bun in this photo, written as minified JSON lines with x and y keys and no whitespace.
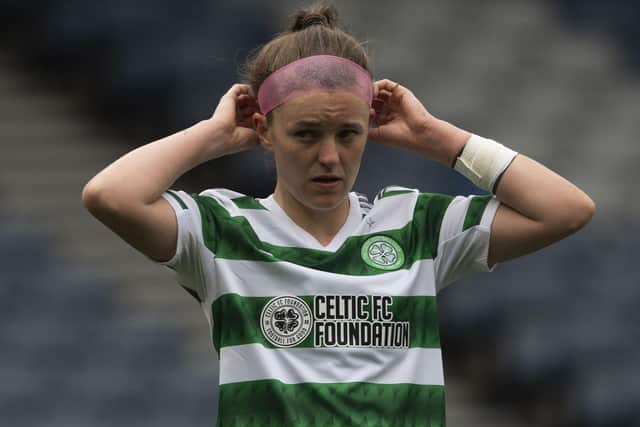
{"x":322,"y":14}
{"x":314,"y":20}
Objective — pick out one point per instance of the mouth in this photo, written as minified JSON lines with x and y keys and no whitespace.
{"x":326,"y":180}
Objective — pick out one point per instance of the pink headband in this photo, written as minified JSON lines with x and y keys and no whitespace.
{"x":314,"y":72}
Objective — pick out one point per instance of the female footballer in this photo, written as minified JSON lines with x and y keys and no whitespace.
{"x":321,"y":303}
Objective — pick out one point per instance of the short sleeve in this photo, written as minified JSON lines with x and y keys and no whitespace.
{"x":463,"y":241}
{"x":186,"y":263}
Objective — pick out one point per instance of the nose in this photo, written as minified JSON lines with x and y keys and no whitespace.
{"x":328,"y":152}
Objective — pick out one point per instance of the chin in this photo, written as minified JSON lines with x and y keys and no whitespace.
{"x":326,"y":202}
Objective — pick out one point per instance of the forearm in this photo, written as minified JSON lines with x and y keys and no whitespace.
{"x":526,"y":186}
{"x":143,"y":174}
{"x":441,"y":141}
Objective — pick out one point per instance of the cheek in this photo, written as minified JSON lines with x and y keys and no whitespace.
{"x":353,"y":156}
{"x":290,"y":162}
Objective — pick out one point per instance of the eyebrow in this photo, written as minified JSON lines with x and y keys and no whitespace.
{"x":314,"y":123}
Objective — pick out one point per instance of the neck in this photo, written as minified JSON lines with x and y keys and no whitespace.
{"x":322,"y":224}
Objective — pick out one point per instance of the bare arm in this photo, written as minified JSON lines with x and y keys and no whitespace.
{"x":538,"y":207}
{"x":126,"y":195}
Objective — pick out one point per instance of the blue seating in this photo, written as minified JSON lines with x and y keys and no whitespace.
{"x":67,"y":358}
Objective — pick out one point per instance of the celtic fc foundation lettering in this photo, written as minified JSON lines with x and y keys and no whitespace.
{"x":357,"y":321}
{"x":336,"y":321}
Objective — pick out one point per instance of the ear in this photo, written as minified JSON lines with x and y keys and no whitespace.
{"x":372,"y":118}
{"x":262,"y":129}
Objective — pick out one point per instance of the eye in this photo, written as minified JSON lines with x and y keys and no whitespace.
{"x":306,"y":135}
{"x":348,"y":134}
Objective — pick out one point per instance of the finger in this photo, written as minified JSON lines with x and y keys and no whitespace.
{"x":246,"y":122}
{"x":246,"y":101}
{"x":384,"y":95}
{"x":381,"y":104}
{"x":248,"y":111}
{"x":375,"y":133}
{"x":243,"y":96}
{"x":239,"y":89}
{"x":377,"y":104}
{"x":386,"y":84}
{"x":381,"y":111}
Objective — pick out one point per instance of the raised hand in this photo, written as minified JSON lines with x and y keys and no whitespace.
{"x":402,"y":121}
{"x":400,"y":116}
{"x":233,"y":117}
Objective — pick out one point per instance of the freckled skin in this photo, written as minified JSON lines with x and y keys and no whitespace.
{"x":333,"y":145}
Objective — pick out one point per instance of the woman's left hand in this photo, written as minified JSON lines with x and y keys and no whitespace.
{"x":404,"y":122}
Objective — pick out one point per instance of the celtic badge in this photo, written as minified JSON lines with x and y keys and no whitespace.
{"x":382,"y":252}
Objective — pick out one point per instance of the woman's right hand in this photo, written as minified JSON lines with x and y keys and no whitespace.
{"x":232,"y":117}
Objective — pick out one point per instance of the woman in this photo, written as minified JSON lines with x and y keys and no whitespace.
{"x":322,"y":305}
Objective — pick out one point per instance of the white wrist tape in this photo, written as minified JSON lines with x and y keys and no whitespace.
{"x":483,"y":161}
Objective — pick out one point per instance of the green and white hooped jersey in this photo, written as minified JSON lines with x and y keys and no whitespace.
{"x":341,"y":335}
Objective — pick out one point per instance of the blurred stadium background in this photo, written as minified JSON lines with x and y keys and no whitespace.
{"x":92,"y":334}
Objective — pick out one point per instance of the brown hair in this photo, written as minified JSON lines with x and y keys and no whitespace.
{"x":314,"y":30}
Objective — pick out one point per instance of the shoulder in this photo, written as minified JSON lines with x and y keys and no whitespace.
{"x":395,"y":195}
{"x":428,"y":209}
{"x":395,"y":207}
{"x":231,"y":201}
{"x":394,"y":191}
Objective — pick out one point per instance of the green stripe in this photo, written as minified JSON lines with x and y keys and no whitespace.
{"x":236,"y":320}
{"x":231,"y":237}
{"x":178,"y":199}
{"x":428,"y":215}
{"x":247,"y":202}
{"x":271,"y":403}
{"x":475,"y":211}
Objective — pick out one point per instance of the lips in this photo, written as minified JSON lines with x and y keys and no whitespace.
{"x":327,"y":182}
{"x":326,"y":179}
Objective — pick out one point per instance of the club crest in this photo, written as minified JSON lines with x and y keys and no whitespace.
{"x":382,"y":252}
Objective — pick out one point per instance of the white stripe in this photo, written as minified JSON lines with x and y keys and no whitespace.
{"x":263,"y":279}
{"x":453,"y":218}
{"x":391,"y":188}
{"x":275,"y":226}
{"x":221,"y":193}
{"x":253,"y":362}
{"x":398,"y":188}
{"x":463,"y":252}
{"x":490,"y":212}
{"x":184,"y":261}
{"x":223,"y":197}
{"x":390,"y":214}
